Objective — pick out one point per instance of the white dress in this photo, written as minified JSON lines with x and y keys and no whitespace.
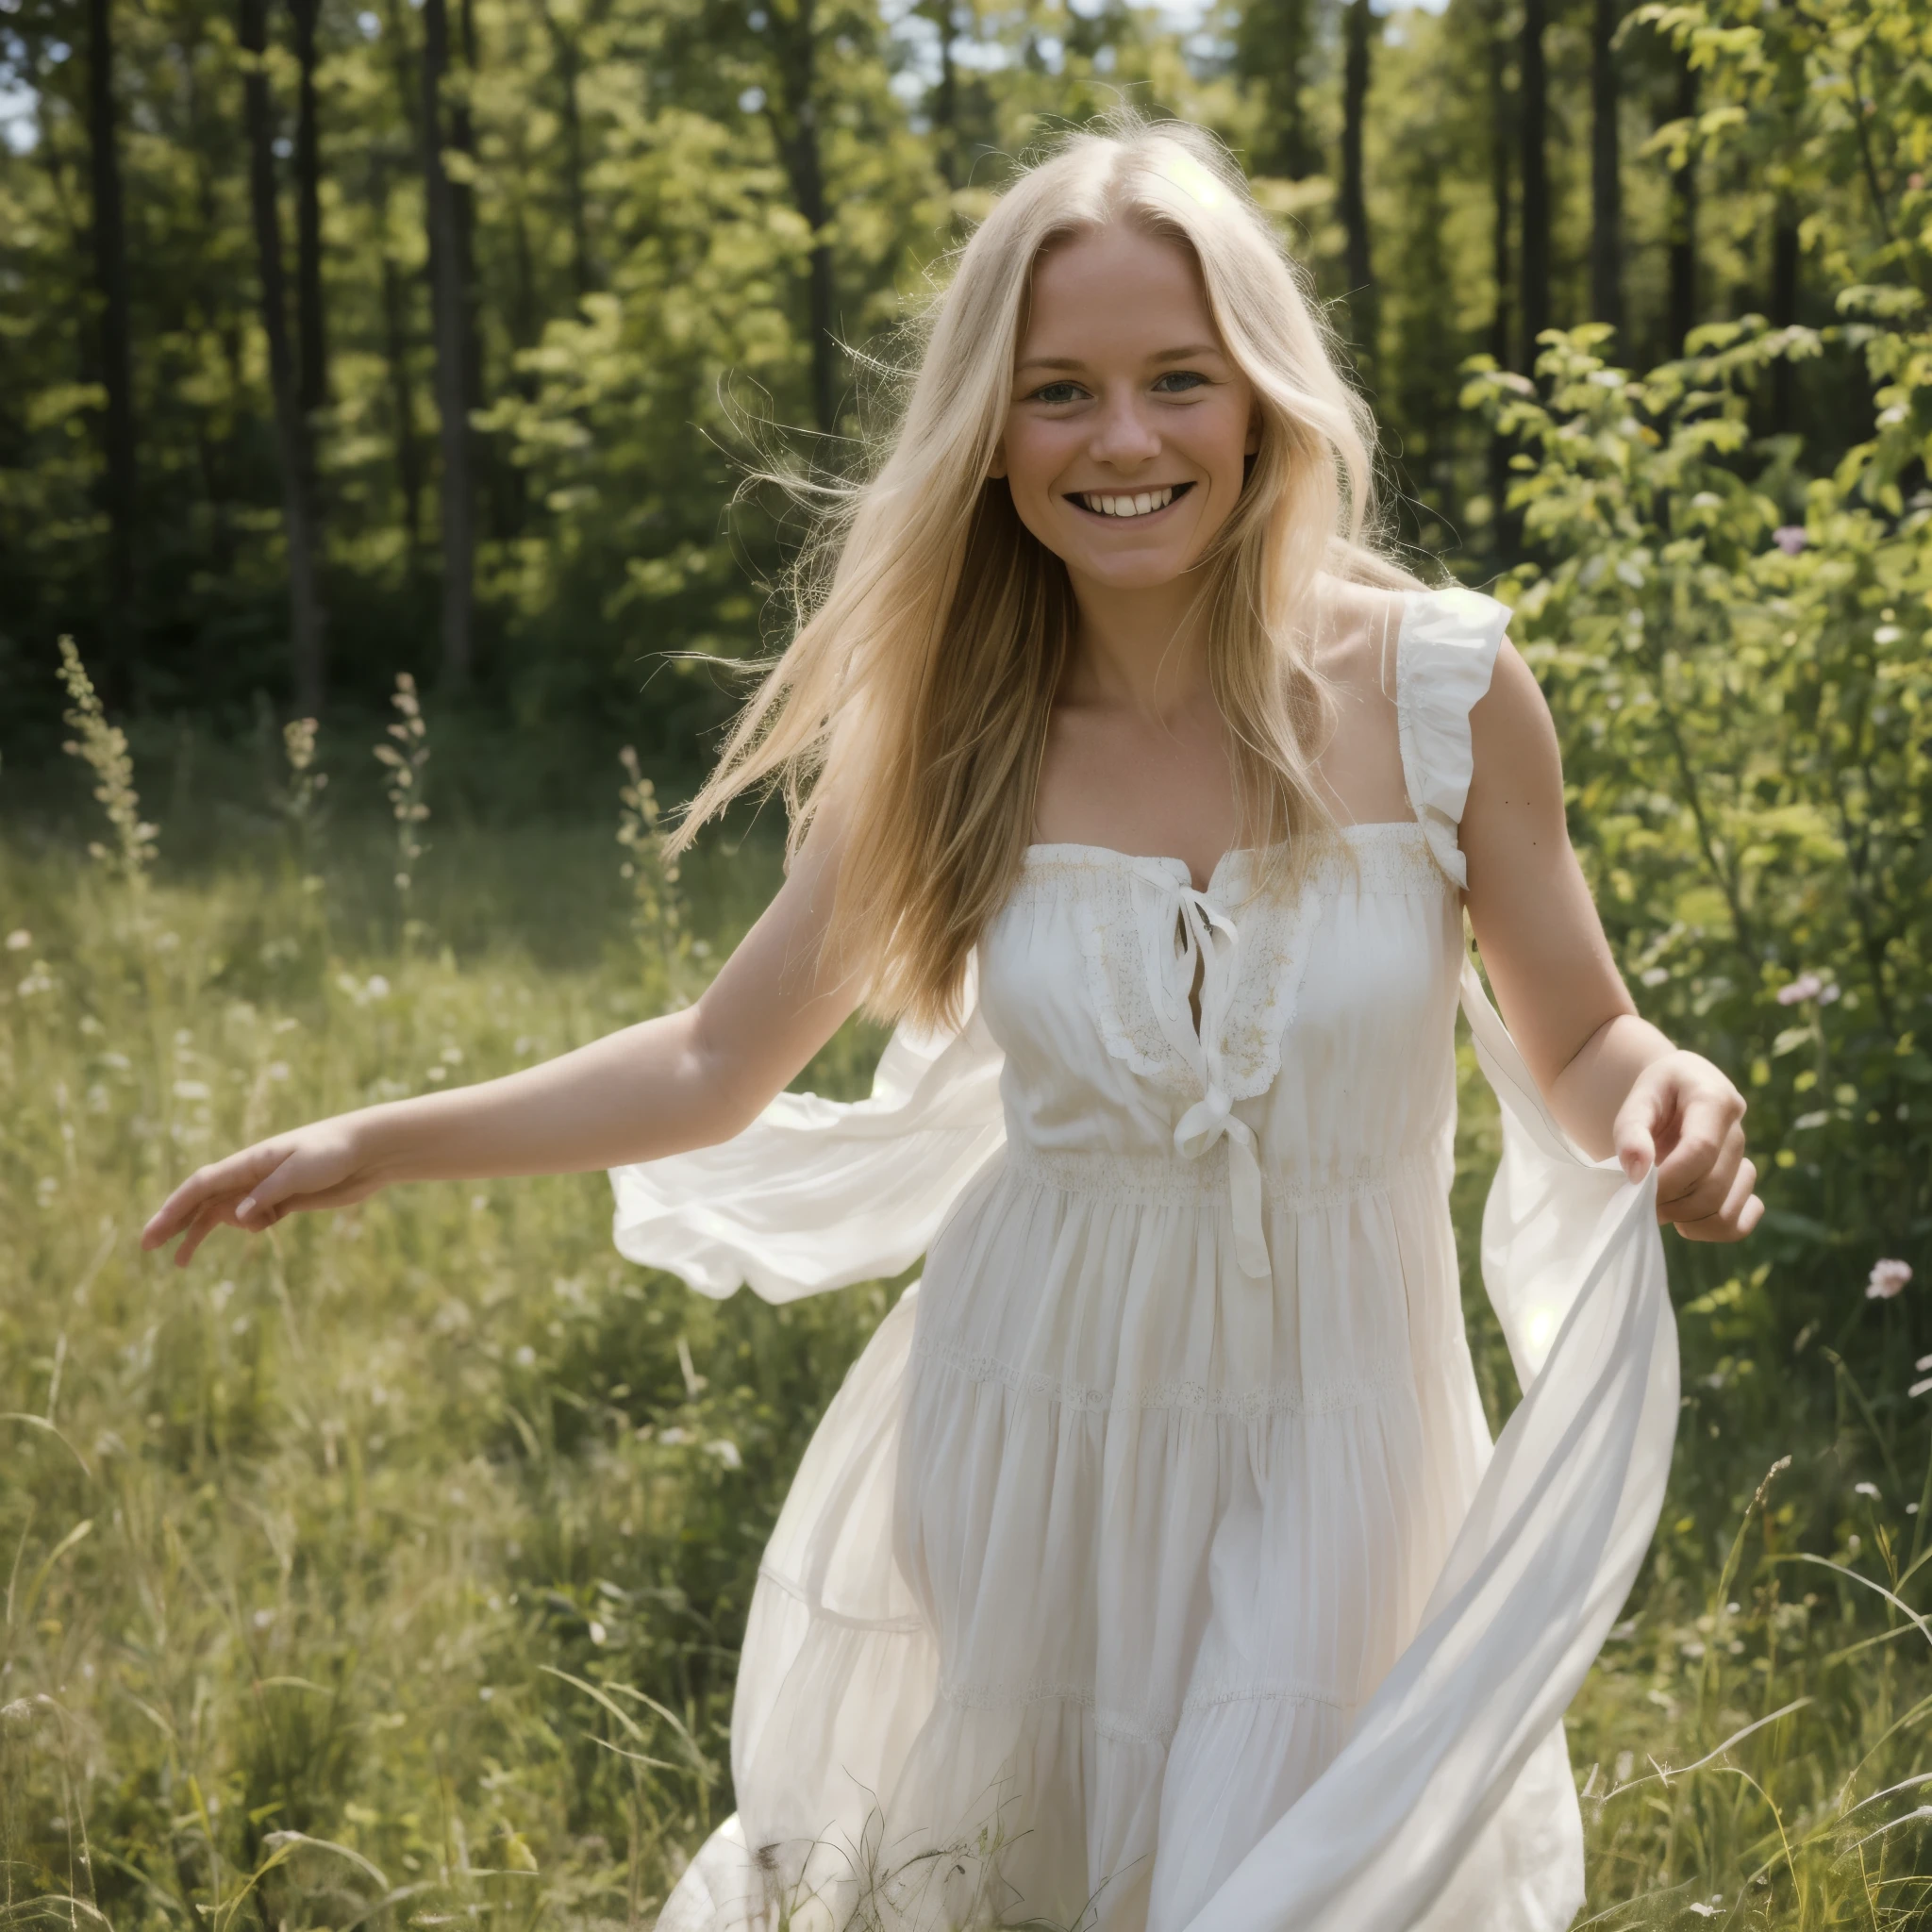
{"x":1153,"y":1567}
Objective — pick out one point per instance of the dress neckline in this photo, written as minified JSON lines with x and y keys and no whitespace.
{"x":1046,"y":851}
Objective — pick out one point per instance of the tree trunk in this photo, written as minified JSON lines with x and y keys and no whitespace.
{"x":1683,"y":316}
{"x":791,"y":108}
{"x":1498,"y":49}
{"x":307,"y":623}
{"x":946,"y":95}
{"x":313,"y":389}
{"x":1355,"y":205}
{"x":1606,"y":173}
{"x":402,"y":390}
{"x":448,"y":304}
{"x":569,"y":61}
{"x":1784,"y":311}
{"x":1533,"y":128}
{"x":121,"y":480}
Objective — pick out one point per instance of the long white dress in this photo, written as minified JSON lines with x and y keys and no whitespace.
{"x":1153,"y":1567}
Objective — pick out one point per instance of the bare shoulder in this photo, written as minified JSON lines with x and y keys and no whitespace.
{"x":1354,"y":635}
{"x":1359,"y":768}
{"x":1512,"y":736}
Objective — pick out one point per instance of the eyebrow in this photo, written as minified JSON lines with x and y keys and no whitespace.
{"x":1184,"y":354}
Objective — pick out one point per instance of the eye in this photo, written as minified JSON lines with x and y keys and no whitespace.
{"x":1051,"y":393}
{"x":1178,"y":382}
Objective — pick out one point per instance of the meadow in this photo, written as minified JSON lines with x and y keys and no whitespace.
{"x":388,"y":1570}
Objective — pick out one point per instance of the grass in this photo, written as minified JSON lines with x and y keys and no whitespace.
{"x":390,"y":1570}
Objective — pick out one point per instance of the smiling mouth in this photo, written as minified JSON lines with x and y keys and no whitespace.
{"x":1136,"y":502}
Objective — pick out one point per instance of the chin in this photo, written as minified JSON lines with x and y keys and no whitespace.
{"x":1150,"y":572}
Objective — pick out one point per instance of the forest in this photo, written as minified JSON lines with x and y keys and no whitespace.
{"x":387,"y":392}
{"x":443,"y":337}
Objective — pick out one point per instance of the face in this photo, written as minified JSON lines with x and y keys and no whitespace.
{"x":1126,"y":436}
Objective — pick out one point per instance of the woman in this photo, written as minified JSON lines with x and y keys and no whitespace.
{"x":1153,"y":1567}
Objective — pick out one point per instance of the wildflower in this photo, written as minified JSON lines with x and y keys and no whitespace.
{"x":19,"y":940}
{"x":1790,"y":538}
{"x":1887,"y":1279}
{"x":1808,"y":986}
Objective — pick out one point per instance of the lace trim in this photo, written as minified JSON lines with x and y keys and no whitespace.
{"x":1111,"y":899}
{"x":1134,"y":1727}
{"x":1190,"y":1398}
{"x":1166,"y":1180}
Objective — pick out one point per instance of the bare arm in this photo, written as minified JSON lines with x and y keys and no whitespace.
{"x":687,"y":1079}
{"x":1616,"y":1083}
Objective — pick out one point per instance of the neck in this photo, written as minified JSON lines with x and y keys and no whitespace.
{"x":1145,"y":649}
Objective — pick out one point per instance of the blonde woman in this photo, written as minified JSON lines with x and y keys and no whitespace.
{"x":1153,"y":1567}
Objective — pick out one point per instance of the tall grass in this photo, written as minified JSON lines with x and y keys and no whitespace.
{"x":390,"y":1570}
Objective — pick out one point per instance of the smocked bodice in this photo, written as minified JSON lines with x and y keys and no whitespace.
{"x":1321,"y":1059}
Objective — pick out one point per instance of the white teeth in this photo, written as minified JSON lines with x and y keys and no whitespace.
{"x":1141,"y":504}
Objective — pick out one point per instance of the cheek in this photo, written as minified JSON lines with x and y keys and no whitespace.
{"x":1032,"y":462}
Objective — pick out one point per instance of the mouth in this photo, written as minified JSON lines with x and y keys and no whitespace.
{"x":1124,"y":504}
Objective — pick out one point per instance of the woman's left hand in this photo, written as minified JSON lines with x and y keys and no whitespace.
{"x":1683,"y":1116}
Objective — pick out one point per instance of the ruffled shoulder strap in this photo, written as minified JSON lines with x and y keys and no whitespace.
{"x":1444,"y":654}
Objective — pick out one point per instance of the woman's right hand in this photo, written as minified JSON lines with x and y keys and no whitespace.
{"x":328,"y":1164}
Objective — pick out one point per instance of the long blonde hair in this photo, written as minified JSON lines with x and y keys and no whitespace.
{"x":917,"y":688}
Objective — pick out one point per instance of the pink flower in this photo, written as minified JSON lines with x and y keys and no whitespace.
{"x":1790,"y":538}
{"x":1887,"y":1278}
{"x":1808,"y":986}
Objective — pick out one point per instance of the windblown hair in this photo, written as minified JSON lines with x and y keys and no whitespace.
{"x":915,"y":694}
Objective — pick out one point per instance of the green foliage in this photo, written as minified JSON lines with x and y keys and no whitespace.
{"x":340,"y":1563}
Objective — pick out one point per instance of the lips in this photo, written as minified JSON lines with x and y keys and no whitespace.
{"x":1127,"y":504}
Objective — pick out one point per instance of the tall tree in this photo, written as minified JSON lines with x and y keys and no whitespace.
{"x":946,"y":93}
{"x":569,"y":58}
{"x":1273,"y":42}
{"x":1683,"y":248}
{"x":122,"y":483}
{"x":311,"y":334}
{"x":1533,"y":107}
{"x":1496,"y":48}
{"x":1354,"y":201}
{"x":294,"y":454}
{"x":449,"y":306}
{"x":792,"y":108}
{"x":395,"y":343}
{"x":1605,"y":170}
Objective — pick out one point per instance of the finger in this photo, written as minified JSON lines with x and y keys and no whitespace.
{"x":1705,"y":1121}
{"x":1634,"y":1131}
{"x":231,"y":1178}
{"x":212,"y":1215}
{"x":1740,"y":1213}
{"x":1707,"y":1195}
{"x":256,"y":1208}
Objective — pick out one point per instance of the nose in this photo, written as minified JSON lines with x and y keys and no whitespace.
{"x":1122,"y":436}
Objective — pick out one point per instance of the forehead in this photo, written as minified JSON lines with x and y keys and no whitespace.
{"x":1116,"y":292}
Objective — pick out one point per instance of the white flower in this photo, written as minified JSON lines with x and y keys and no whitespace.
{"x":1866,"y":1490}
{"x":1808,"y":986}
{"x":727,"y":1453}
{"x":1887,"y":1278}
{"x":19,"y":940}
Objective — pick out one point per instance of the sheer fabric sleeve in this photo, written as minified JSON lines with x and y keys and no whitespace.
{"x":1398,"y":1834}
{"x":816,"y":1193}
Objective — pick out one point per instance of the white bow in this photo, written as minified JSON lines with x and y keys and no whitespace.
{"x":1208,"y":941}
